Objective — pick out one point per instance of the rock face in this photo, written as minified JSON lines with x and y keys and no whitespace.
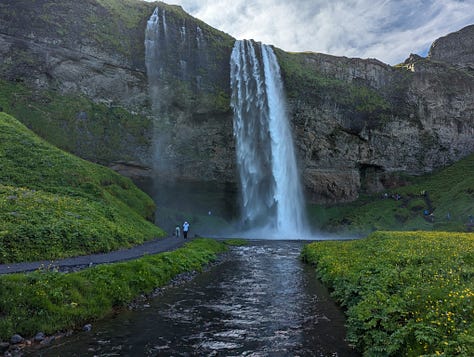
{"x":78,"y":64}
{"x":188,"y":76}
{"x":456,"y":48}
{"x":81,"y":47}
{"x":358,"y":124}
{"x":95,"y":49}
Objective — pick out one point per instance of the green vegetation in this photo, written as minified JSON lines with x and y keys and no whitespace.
{"x":50,"y":301}
{"x":236,"y":242}
{"x":53,"y":204}
{"x":300,"y":79}
{"x":76,"y":124}
{"x":406,"y":293}
{"x":130,"y":12}
{"x":219,"y":101}
{"x":119,"y":26}
{"x":450,"y":190}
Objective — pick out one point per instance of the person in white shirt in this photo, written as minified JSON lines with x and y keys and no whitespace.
{"x":185,"y":229}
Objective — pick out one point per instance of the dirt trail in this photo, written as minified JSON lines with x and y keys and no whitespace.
{"x":151,"y":247}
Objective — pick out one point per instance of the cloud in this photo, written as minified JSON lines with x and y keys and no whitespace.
{"x":384,"y":29}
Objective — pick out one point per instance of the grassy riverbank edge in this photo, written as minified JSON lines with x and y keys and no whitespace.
{"x":405,"y":293}
{"x":48,"y":301}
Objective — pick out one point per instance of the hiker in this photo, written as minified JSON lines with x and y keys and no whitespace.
{"x":185,"y":229}
{"x":431,"y":216}
{"x":177,"y":231}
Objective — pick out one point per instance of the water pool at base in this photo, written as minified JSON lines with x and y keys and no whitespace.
{"x":262,"y":301}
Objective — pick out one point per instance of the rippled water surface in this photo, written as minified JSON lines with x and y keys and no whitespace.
{"x":262,"y":301}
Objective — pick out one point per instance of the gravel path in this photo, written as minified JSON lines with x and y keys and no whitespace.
{"x":76,"y":263}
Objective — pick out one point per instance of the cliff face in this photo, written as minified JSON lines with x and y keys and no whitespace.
{"x":79,"y":47}
{"x":188,"y":75}
{"x":360,"y":123}
{"x":78,"y":68}
{"x":53,"y":52}
{"x":456,"y":48}
{"x":76,"y":73}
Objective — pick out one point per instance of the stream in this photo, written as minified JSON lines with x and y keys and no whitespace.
{"x":261,"y":301}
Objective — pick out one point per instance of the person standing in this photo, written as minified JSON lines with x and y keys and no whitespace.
{"x":185,"y":229}
{"x":177,"y":231}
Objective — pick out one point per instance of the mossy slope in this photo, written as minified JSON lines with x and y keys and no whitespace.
{"x":53,"y":204}
{"x":95,"y":132}
{"x":450,"y":190}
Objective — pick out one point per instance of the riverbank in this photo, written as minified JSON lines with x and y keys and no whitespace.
{"x":406,"y":293}
{"x":47,"y":301}
{"x":260,"y":299}
{"x":74,"y":264}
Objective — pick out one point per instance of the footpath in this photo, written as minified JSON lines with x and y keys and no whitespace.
{"x":75,"y":263}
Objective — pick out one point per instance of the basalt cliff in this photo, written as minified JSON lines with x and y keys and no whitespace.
{"x":80,"y":75}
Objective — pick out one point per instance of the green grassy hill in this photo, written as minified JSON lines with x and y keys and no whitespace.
{"x":53,"y":204}
{"x":447,"y":194}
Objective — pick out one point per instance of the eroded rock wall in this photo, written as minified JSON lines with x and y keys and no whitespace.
{"x":358,"y":124}
{"x":95,"y":49}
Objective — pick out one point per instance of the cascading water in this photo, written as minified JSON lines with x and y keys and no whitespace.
{"x":155,"y":51}
{"x":271,"y":193}
{"x":169,"y":50}
{"x":272,"y":197}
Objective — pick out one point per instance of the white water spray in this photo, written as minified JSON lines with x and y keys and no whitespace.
{"x":272,"y":197}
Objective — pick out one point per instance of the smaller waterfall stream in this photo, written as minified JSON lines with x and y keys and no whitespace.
{"x":272,"y":196}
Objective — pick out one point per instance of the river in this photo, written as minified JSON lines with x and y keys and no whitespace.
{"x":261,"y":301}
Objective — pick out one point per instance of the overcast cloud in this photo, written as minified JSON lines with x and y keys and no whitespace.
{"x":388,"y":30}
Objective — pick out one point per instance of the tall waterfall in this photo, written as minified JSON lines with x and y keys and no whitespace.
{"x":272,"y":196}
{"x":156,"y":47}
{"x":175,"y":65}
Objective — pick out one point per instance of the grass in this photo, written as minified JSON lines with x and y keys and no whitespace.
{"x":74,"y":123}
{"x":358,"y":99}
{"x":406,"y":293}
{"x":450,"y":190}
{"x":119,"y":26}
{"x":50,"y":301}
{"x":236,"y":242}
{"x":130,"y":12}
{"x":53,"y":204}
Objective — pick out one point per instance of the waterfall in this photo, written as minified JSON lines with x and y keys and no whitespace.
{"x":199,"y":38}
{"x":155,"y":51}
{"x":272,"y":196}
{"x":165,"y":27}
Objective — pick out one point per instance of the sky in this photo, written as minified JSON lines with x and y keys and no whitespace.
{"x":388,"y":30}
